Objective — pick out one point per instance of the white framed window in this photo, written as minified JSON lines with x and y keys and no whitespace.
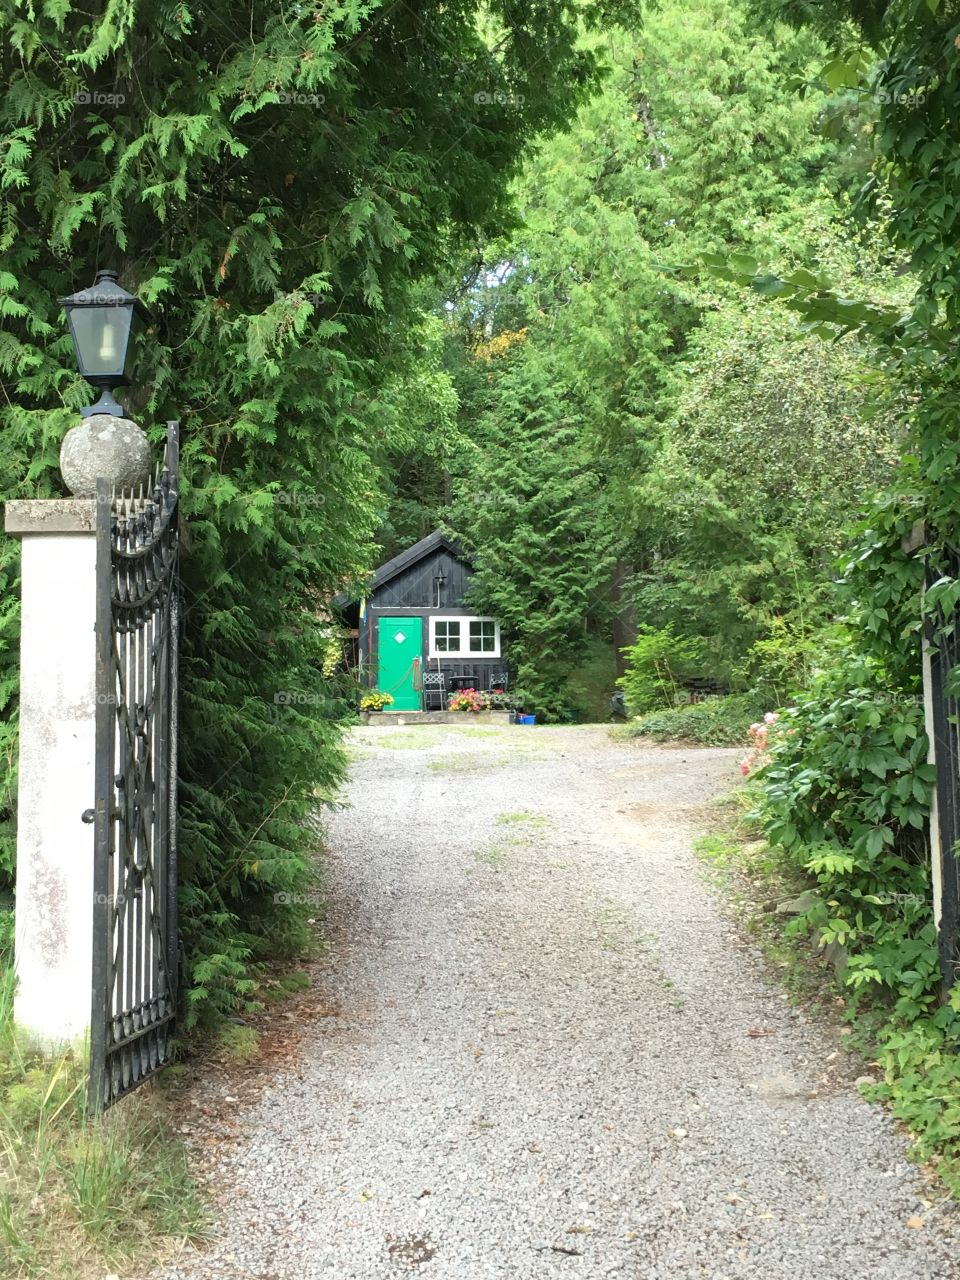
{"x":464,"y":637}
{"x":447,"y":635}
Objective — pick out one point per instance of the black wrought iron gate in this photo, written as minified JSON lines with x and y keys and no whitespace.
{"x":135,"y":945}
{"x":943,"y":641}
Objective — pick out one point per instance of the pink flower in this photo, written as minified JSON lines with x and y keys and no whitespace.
{"x":771,"y":717}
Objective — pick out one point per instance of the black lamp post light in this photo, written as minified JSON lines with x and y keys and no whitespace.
{"x":102,"y":321}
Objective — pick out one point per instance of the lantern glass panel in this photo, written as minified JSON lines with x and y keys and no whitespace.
{"x":102,"y":337}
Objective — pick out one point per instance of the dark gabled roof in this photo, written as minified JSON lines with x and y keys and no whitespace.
{"x":419,"y":551}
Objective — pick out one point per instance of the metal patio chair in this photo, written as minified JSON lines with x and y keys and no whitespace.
{"x":434,"y":689}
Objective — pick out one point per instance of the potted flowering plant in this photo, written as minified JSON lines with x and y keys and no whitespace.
{"x":469,"y":700}
{"x":375,"y":700}
{"x":499,"y":700}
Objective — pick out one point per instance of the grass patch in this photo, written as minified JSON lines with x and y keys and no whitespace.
{"x":466,"y":762}
{"x":81,"y":1196}
{"x":530,"y":820}
{"x":486,"y":730}
{"x":495,"y":856}
{"x":408,"y":738}
{"x":715,"y":722}
{"x":285,"y":986}
{"x":238,"y":1043}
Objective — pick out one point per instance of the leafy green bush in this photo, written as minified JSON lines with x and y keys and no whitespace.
{"x":657,"y":663}
{"x":715,"y":722}
{"x":848,"y":768}
{"x":846,"y":794}
{"x":782,"y":661}
{"x":846,"y":790}
{"x":591,"y":682}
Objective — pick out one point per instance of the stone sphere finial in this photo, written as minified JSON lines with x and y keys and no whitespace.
{"x":102,"y":445}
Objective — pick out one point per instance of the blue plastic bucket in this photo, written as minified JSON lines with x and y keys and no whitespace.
{"x":526,"y":719}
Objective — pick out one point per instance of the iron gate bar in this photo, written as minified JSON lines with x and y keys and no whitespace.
{"x":135,"y":873}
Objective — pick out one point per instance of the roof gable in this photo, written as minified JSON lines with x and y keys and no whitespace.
{"x":419,"y":551}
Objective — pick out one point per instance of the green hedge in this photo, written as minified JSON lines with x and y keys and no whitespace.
{"x":715,"y":722}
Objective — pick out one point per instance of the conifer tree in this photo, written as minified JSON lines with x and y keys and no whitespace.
{"x":531,"y":513}
{"x":271,"y":181}
{"x":696,"y":146}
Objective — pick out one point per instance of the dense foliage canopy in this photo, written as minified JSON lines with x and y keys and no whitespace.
{"x":272,"y":182}
{"x":722,"y":450}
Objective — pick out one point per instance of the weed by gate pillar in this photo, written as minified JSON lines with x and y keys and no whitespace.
{"x":54,"y":908}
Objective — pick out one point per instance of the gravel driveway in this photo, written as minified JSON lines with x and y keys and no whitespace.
{"x":553,"y":1056}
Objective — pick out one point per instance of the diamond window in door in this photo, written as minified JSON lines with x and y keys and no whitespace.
{"x":399,"y":637}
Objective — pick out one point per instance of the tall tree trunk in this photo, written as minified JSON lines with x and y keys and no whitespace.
{"x":624,"y":615}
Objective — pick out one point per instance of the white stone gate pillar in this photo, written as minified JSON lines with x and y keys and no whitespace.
{"x":54,"y":903}
{"x":53,"y":939}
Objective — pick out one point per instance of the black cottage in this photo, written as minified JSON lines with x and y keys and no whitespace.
{"x":417,"y":639}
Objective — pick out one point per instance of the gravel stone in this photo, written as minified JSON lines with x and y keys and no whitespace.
{"x":554,"y":1055}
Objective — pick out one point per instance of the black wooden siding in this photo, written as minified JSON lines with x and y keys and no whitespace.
{"x":413,"y":592}
{"x":414,"y":588}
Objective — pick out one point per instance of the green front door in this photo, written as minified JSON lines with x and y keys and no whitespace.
{"x":400,"y":655}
